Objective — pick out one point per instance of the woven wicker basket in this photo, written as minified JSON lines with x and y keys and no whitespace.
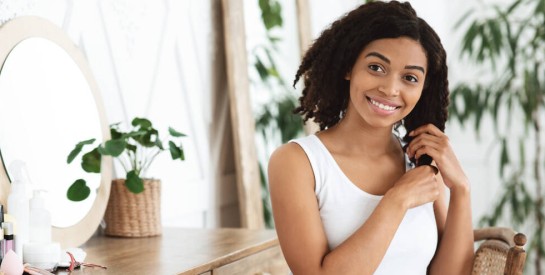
{"x":134,"y":215}
{"x":490,"y":258}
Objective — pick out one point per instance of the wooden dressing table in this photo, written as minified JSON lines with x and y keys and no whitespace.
{"x":188,"y":251}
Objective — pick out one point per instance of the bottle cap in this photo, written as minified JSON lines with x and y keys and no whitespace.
{"x":37,"y":200}
{"x":8,"y":228}
{"x":18,"y":172}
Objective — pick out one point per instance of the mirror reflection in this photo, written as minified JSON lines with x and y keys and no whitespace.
{"x":39,"y":77}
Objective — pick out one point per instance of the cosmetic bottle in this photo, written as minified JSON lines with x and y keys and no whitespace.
{"x":18,"y":206}
{"x":40,"y":251}
{"x":9,"y":242}
{"x":2,"y":252}
{"x":40,"y":219}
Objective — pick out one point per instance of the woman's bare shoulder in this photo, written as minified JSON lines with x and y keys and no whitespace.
{"x":290,"y":159}
{"x":290,"y":150}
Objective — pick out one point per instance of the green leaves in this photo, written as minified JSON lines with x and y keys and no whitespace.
{"x":143,"y":132}
{"x":176,"y":152}
{"x":113,"y":147}
{"x":134,"y":183}
{"x":508,"y":46}
{"x":175,"y":133}
{"x":516,"y":198}
{"x":275,"y":119}
{"x":474,"y":103}
{"x":135,"y":150}
{"x":507,"y":43}
{"x":147,"y":138}
{"x":90,"y":162}
{"x":141,"y":123}
{"x":77,"y":150}
{"x":504,"y":156}
{"x":484,"y":40}
{"x":279,"y":115}
{"x":290,"y":123}
{"x":266,"y":66}
{"x":78,"y":191}
{"x":271,"y":13}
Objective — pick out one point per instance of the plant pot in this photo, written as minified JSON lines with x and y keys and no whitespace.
{"x":134,"y":215}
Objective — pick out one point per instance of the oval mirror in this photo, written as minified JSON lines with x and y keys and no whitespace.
{"x":49,"y":101}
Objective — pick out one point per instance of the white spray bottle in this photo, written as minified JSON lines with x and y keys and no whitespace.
{"x":18,"y":204}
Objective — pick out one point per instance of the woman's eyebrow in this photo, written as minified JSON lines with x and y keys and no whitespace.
{"x":414,"y":67}
{"x":385,"y":59}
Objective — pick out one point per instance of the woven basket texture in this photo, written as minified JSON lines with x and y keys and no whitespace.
{"x":134,"y":215}
{"x":490,"y":258}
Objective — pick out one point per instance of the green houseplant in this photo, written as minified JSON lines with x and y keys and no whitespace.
{"x":509,"y":44}
{"x":134,"y":204}
{"x":135,"y":150}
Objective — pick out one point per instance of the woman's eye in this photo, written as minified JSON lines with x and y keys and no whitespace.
{"x":376,"y":68}
{"x":411,"y":78}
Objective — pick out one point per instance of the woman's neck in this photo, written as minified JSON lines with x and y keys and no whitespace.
{"x":363,"y":138}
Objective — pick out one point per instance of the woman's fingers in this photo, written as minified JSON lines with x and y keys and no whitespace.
{"x":427,"y":150}
{"x":421,"y":141}
{"x":428,"y":128}
{"x":429,"y":140}
{"x":419,"y":186}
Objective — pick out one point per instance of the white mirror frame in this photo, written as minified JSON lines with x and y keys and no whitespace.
{"x":15,"y":31}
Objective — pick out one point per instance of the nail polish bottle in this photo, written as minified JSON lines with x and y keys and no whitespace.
{"x":9,"y":243}
{"x":1,"y":213}
{"x":2,"y":252}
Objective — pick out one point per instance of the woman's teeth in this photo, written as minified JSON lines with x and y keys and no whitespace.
{"x":382,"y":106}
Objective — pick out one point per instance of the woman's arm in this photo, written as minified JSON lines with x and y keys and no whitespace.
{"x":300,"y":230}
{"x":455,"y":251}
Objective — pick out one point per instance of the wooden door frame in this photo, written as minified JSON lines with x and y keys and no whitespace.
{"x":242,"y":119}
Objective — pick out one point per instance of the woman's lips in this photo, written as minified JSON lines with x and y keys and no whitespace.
{"x":382,"y":105}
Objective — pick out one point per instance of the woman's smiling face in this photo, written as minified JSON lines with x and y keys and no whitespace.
{"x":387,"y":81}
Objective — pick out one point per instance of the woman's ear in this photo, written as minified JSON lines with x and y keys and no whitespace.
{"x":347,"y":76}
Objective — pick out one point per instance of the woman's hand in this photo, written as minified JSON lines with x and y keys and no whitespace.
{"x":429,"y":140}
{"x":416,"y":187}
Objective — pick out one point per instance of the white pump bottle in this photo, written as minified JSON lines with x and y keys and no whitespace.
{"x":40,"y":219}
{"x":40,"y":251}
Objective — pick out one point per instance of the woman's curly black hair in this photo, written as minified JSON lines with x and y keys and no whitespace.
{"x":326,"y":63}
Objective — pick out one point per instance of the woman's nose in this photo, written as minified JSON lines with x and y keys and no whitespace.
{"x":389,"y":87}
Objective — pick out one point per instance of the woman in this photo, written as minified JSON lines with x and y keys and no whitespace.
{"x":348,"y":200}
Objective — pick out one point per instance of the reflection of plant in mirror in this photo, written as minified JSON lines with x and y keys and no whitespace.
{"x":510,"y":44}
{"x":135,"y":150}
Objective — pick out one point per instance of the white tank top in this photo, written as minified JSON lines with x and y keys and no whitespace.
{"x":344,"y":208}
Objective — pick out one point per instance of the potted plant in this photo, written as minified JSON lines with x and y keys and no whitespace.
{"x":507,"y":47}
{"x":134,"y":204}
